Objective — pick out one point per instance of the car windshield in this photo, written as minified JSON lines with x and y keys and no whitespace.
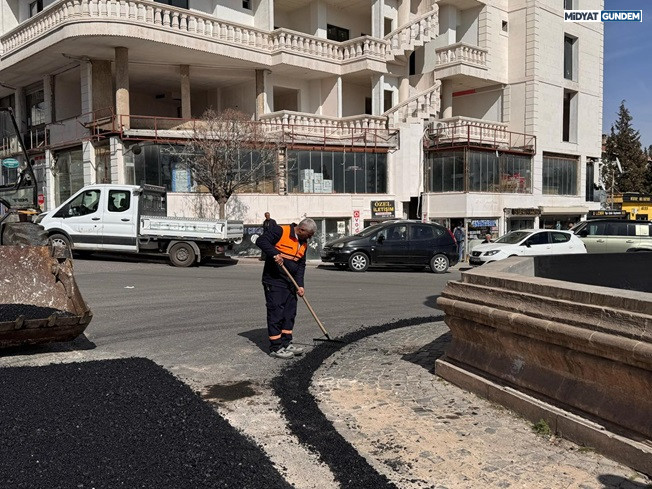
{"x":513,"y":237}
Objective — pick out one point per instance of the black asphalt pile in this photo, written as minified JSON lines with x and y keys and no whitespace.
{"x":10,"y":312}
{"x":118,"y":423}
{"x":310,"y":425}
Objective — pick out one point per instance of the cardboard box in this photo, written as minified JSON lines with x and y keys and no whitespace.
{"x":306,"y":174}
{"x":327,"y":187}
{"x":318,"y":177}
{"x":306,"y":186}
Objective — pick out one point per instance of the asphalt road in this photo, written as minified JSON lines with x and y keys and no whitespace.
{"x":207,"y":324}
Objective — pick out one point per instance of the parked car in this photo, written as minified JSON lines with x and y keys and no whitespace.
{"x":399,"y":242}
{"x":615,"y":235}
{"x":527,"y":242}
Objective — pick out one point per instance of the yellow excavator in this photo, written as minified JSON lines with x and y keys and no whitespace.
{"x":39,"y":298}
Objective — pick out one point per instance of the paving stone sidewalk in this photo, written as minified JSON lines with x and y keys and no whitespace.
{"x":423,"y":432}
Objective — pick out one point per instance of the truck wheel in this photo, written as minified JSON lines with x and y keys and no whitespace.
{"x":439,"y":263}
{"x":24,"y":234}
{"x":358,"y":262}
{"x":182,"y":255}
{"x":63,"y":243}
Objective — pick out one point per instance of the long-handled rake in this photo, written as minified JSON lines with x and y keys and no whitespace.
{"x":312,"y":311}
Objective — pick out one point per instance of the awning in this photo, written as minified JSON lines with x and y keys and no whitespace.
{"x":578,"y":209}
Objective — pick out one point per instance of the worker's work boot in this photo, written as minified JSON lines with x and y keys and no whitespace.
{"x":282,"y":353}
{"x":297,"y":350}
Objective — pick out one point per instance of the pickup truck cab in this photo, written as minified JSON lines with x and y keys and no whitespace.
{"x":133,"y":219}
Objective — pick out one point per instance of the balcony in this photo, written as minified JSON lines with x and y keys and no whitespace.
{"x":148,"y":19}
{"x":466,"y":131}
{"x":460,"y":59}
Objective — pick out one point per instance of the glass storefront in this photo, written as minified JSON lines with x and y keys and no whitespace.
{"x":336,"y":172}
{"x":68,"y":174}
{"x":560,"y":175}
{"x":486,"y":171}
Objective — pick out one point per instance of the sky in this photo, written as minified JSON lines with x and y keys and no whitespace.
{"x":628,"y":68}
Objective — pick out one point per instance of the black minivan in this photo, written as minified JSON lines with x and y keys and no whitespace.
{"x":400,"y":242}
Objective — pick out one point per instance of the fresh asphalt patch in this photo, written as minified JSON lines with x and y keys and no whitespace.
{"x":310,"y":425}
{"x":119,"y":423}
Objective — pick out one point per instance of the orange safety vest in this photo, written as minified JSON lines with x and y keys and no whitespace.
{"x":289,"y":246}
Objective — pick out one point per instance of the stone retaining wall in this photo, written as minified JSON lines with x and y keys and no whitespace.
{"x":550,"y":349}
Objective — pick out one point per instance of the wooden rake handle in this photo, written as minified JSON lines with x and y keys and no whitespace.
{"x":294,"y":282}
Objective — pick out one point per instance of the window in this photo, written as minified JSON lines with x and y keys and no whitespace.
{"x":387,"y":26}
{"x":336,"y":172}
{"x":559,"y":175}
{"x":175,"y":3}
{"x":569,"y":117}
{"x":560,"y":237}
{"x":568,"y":4}
{"x":35,"y":101}
{"x":85,"y":203}
{"x":617,"y":229}
{"x":570,"y":55}
{"x":246,"y":4}
{"x":423,"y":232}
{"x":388,"y":100}
{"x":413,"y":64}
{"x":393,"y":233}
{"x":596,"y":229}
{"x":446,"y":171}
{"x":119,"y":200}
{"x":590,"y":178}
{"x":538,"y":239}
{"x":335,"y":33}
{"x":504,"y":26}
{"x":35,"y":7}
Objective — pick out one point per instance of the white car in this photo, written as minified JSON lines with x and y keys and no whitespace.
{"x":527,"y":242}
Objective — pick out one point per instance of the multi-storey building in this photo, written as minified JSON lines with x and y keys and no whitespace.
{"x":482,"y":111}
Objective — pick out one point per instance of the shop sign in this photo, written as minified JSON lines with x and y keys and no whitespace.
{"x":606,"y":213}
{"x":637,"y":198}
{"x":357,"y":221}
{"x":484,"y":223}
{"x":382,"y":208}
{"x":10,"y":163}
{"x":524,"y":212}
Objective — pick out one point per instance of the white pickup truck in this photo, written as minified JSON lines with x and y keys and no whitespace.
{"x":133,"y":219}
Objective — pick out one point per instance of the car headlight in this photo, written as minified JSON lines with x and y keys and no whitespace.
{"x":491,"y":253}
{"x":338,"y":245}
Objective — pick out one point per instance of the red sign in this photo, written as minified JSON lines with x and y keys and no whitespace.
{"x":41,"y":199}
{"x":356,"y":214}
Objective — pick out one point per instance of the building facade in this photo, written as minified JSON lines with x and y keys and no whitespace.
{"x":482,"y":112}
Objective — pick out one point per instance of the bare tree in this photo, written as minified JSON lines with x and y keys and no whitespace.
{"x":228,"y":153}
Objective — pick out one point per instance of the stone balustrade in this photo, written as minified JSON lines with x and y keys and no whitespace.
{"x":421,"y":106}
{"x":160,"y":16}
{"x":318,"y":124}
{"x":470,"y":130}
{"x":461,"y":53}
{"x":419,"y":30}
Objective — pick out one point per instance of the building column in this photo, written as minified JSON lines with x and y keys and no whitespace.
{"x":448,"y":24}
{"x":403,"y":16}
{"x":90,"y":168}
{"x":404,"y":85}
{"x":339,"y":96}
{"x":186,"y":107}
{"x":117,"y":161}
{"x":21,"y":109}
{"x":377,"y":19}
{"x":262,"y":89}
{"x":446,"y":99}
{"x":377,"y":94}
{"x":48,"y":98}
{"x":50,"y":183}
{"x":102,"y":86}
{"x":122,"y":86}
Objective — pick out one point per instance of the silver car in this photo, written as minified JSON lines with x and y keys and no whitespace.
{"x":615,"y":235}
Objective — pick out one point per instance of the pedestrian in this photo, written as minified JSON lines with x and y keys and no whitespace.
{"x":488,"y":238}
{"x":284,"y":245}
{"x":266,"y":224}
{"x":460,"y":237}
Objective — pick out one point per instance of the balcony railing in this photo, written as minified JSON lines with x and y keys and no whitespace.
{"x":466,"y":131}
{"x":461,"y":53}
{"x":163,"y":17}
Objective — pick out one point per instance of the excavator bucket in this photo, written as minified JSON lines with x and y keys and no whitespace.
{"x":39,"y":298}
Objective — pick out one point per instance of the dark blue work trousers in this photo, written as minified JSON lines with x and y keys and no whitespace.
{"x":281,"y":302}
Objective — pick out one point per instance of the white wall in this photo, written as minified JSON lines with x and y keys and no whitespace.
{"x":225,"y":9}
{"x":353,"y":98}
{"x":483,"y":105}
{"x":467,"y":28}
{"x":241,"y":96}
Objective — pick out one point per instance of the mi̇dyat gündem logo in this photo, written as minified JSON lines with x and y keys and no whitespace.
{"x":603,"y":16}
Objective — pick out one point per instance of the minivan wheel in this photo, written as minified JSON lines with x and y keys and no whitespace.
{"x":358,"y":262}
{"x":439,"y":263}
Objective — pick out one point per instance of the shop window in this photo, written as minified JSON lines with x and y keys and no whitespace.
{"x":69,"y":174}
{"x":335,"y":33}
{"x":559,"y":175}
{"x":446,"y":171}
{"x":336,"y":172}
